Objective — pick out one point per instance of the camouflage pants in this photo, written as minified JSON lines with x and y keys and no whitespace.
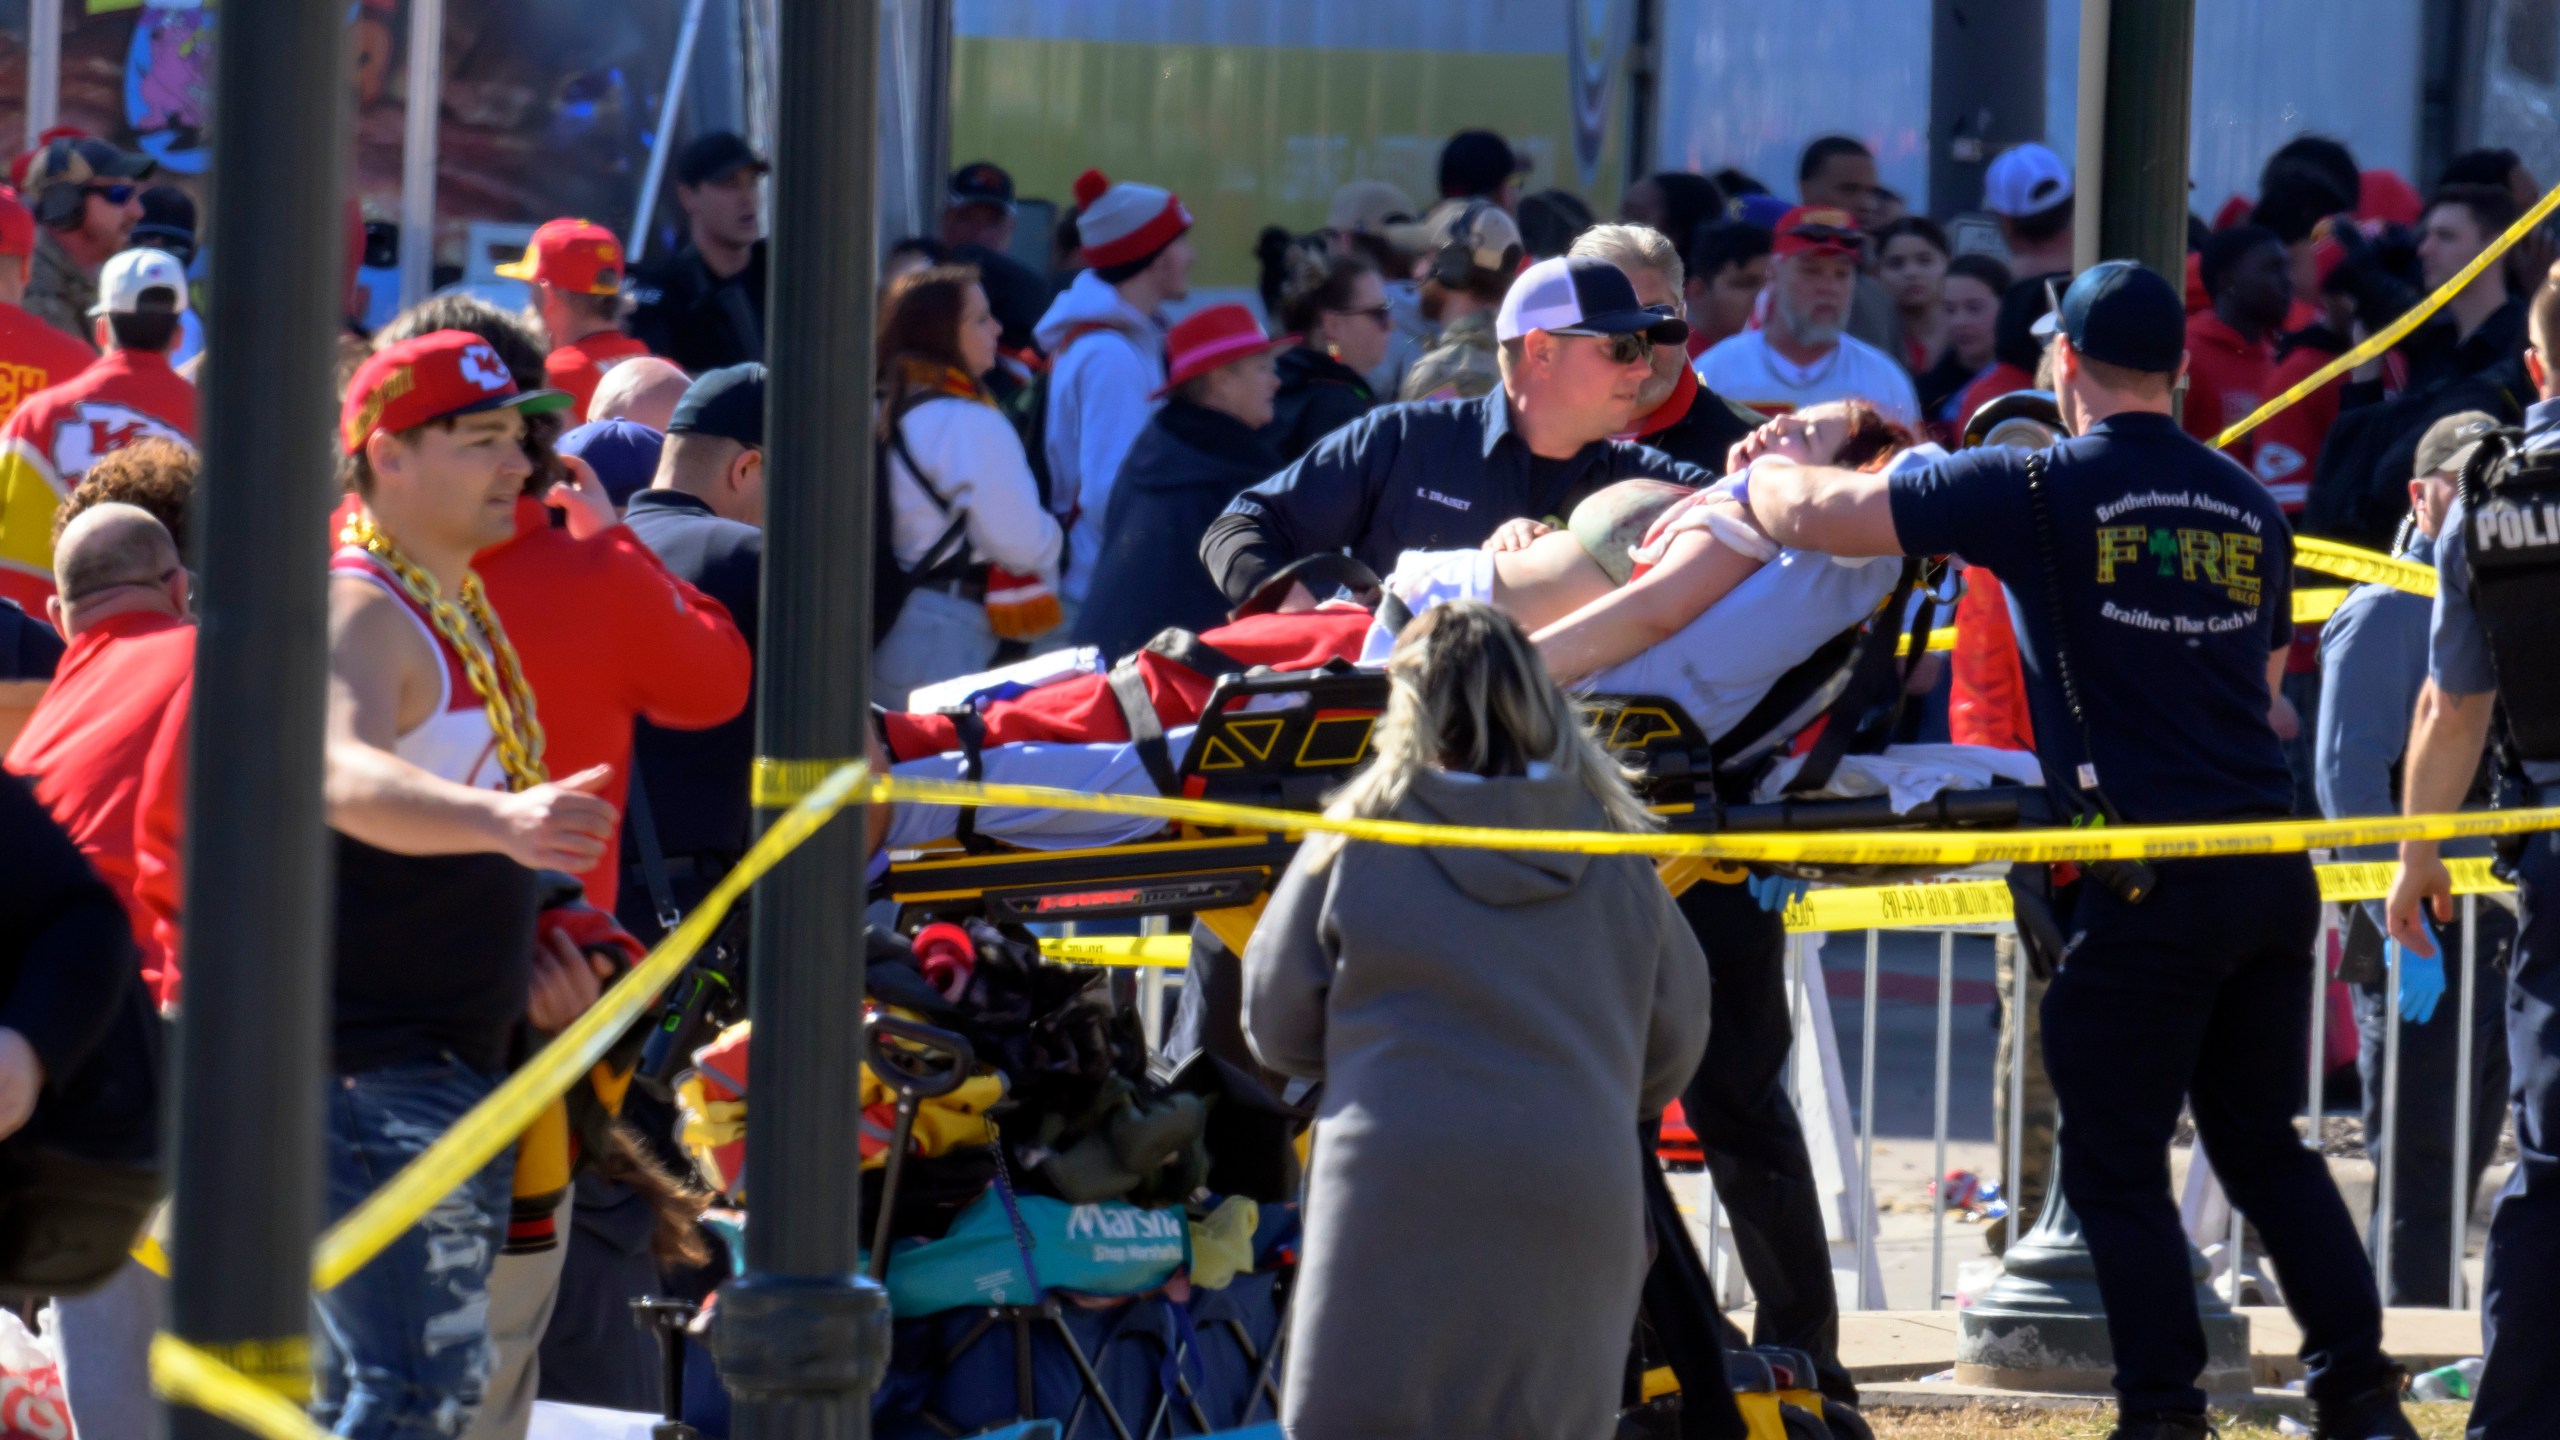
{"x":2025,"y":1193}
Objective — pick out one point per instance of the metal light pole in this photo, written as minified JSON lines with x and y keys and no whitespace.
{"x":801,"y":1338}
{"x":2137,"y":71}
{"x":257,"y":873}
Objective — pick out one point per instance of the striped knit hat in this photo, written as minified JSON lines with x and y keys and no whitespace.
{"x":1122,"y":222}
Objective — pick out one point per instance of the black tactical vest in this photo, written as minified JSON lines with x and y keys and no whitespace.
{"x":2512,"y":530}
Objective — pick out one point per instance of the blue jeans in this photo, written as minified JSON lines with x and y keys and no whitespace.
{"x":937,"y":636}
{"x":404,"y":1342}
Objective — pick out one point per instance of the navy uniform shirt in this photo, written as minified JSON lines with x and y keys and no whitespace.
{"x":2457,"y":645}
{"x":2175,"y":581}
{"x":1422,"y":475}
{"x":697,"y":779}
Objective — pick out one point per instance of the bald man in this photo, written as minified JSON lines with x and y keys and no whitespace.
{"x":120,"y":597}
{"x":643,"y":389}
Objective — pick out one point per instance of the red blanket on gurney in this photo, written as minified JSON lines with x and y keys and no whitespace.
{"x":1081,"y":710}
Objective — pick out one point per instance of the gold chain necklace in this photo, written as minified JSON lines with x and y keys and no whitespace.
{"x":492,"y":669}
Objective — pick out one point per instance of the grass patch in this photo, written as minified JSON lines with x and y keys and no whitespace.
{"x":2435,"y":1422}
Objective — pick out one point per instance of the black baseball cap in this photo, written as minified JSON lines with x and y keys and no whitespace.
{"x":706,"y":158}
{"x":2122,"y":313}
{"x":1476,"y":162}
{"x":728,"y":403}
{"x":982,"y":183}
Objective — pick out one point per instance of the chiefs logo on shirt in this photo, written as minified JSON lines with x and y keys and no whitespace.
{"x":95,"y":428}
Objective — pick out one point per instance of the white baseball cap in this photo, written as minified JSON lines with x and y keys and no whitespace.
{"x":2025,"y":180}
{"x":130,"y":275}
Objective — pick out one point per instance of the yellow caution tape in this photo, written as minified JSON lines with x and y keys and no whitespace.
{"x":1848,"y":907}
{"x":189,"y":1375}
{"x":1160,"y":952}
{"x":2398,"y":330}
{"x":2363,"y":566}
{"x":2314,"y":607}
{"x":2371,"y":879}
{"x":494,"y":1123}
{"x":1859,"y":847}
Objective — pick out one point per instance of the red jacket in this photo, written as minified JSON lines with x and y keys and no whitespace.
{"x":127,"y":395}
{"x":2288,"y":444}
{"x":86,"y":746}
{"x":1081,"y":709}
{"x":2226,"y":380}
{"x":34,"y":356}
{"x":1987,"y":699}
{"x":608,"y":635}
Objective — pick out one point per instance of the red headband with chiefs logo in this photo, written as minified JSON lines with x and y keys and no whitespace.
{"x":449,"y":372}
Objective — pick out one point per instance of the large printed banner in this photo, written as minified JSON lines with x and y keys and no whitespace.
{"x":1255,"y":111}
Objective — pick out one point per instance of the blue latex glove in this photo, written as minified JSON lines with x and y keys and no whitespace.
{"x":1776,"y":892}
{"x":2421,"y":976}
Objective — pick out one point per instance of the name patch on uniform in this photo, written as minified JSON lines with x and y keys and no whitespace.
{"x":1452,"y":501}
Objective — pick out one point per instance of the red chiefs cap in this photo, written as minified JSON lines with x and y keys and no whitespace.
{"x":17,"y":227}
{"x":450,"y":372}
{"x":1816,"y":230}
{"x":578,"y":256}
{"x":1210,"y":337}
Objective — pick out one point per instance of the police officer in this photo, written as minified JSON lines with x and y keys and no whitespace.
{"x":2497,"y":593}
{"x":2373,"y":664}
{"x":2153,"y":579}
{"x":1577,"y":352}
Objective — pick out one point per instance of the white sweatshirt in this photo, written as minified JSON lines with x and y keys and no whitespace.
{"x":1101,"y":394}
{"x":975,"y":460}
{"x":1744,"y":369}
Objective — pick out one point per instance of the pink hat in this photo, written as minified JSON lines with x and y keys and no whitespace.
{"x":1210,"y":337}
{"x":1123,"y":222}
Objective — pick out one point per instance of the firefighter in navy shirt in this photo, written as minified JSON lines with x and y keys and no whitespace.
{"x":2153,"y":580}
{"x":2495,"y":641}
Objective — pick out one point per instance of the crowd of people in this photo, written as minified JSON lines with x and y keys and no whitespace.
{"x":543,"y":618}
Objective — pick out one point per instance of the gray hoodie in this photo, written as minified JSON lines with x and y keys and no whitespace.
{"x":1489,"y":1026}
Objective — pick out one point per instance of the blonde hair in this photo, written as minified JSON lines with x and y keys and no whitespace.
{"x":1632,"y":247}
{"x":1470,"y":693}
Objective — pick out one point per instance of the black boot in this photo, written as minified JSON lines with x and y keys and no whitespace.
{"x":2368,"y":1414}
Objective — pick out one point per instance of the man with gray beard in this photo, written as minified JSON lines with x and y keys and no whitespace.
{"x":1800,"y":355}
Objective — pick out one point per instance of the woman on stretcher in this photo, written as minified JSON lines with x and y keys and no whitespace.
{"x":1635,"y":596}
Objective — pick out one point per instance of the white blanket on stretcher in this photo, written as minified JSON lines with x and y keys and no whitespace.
{"x":1910,"y":774}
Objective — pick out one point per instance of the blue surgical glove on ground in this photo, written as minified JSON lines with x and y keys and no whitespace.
{"x":2421,"y":976}
{"x":1775,"y":892}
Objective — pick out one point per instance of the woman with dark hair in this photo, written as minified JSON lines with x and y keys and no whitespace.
{"x":1337,"y":307}
{"x":978,"y":551}
{"x":1971,"y":292}
{"x":1441,"y":995}
{"x":1911,"y":260}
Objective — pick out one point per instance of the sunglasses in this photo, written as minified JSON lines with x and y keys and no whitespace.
{"x":1381,"y":312}
{"x":112,"y":194}
{"x":1624,"y":349}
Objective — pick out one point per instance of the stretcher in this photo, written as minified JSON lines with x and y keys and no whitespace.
{"x":1286,"y":740}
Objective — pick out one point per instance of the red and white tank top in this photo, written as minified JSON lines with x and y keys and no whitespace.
{"x":455,"y":742}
